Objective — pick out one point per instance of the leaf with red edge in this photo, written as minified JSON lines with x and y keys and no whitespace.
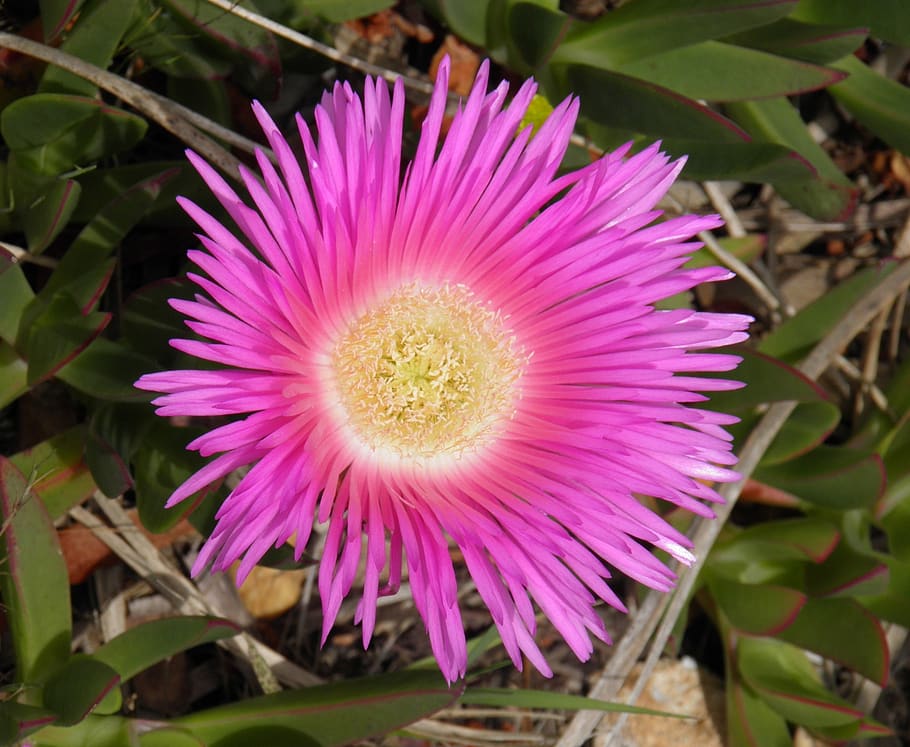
{"x":108,"y":469}
{"x":844,"y":631}
{"x":644,"y":28}
{"x":750,"y":721}
{"x":827,"y":195}
{"x":887,"y":19}
{"x":813,"y":42}
{"x":56,"y":15}
{"x":756,"y":609}
{"x":78,"y":688}
{"x":253,"y":49}
{"x":48,"y":215}
{"x":891,"y":603}
{"x":326,"y":715}
{"x":33,"y":580}
{"x":848,"y":573}
{"x":783,"y":677}
{"x":834,"y":477}
{"x":808,"y":538}
{"x":715,"y":71}
{"x":808,"y":426}
{"x":61,"y":478}
{"x":18,"y":720}
{"x":58,"y":335}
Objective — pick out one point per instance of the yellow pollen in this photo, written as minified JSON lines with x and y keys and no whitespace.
{"x":428,"y":372}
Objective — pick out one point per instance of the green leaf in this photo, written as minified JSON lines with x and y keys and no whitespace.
{"x":58,"y":335}
{"x":834,"y":477}
{"x":509,"y":697}
{"x":94,"y":38}
{"x":56,"y":15}
{"x":16,"y":294}
{"x":881,"y":104}
{"x":756,"y":609}
{"x":806,"y":538}
{"x":59,"y":476}
{"x":887,"y":19}
{"x":169,"y":738}
{"x":841,"y":630}
{"x":93,"y":731}
{"x":785,"y":680}
{"x":78,"y":687}
{"x":716,"y":71}
{"x":101,"y":236}
{"x":358,"y":709}
{"x":819,"y":43}
{"x":466,"y":18}
{"x":107,"y":370}
{"x":829,"y":195}
{"x":13,"y":374}
{"x":848,"y":573}
{"x":149,"y":323}
{"x":750,"y":722}
{"x":336,"y":12}
{"x":536,"y":30}
{"x":52,"y":133}
{"x":796,"y":337}
{"x":48,"y":215}
{"x":767,"y":380}
{"x":252,"y":49}
{"x":807,"y":427}
{"x":650,"y":27}
{"x":647,"y":108}
{"x":33,"y":581}
{"x":109,"y":471}
{"x":18,"y":720}
{"x":145,"y":645}
{"x":160,"y":467}
{"x":891,"y":604}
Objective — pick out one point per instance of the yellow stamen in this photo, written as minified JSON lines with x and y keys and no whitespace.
{"x":428,"y":372}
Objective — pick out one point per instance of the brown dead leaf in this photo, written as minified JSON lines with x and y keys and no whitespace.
{"x":268,"y":592}
{"x":900,"y":170}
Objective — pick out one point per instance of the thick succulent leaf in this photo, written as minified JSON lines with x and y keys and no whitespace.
{"x":95,"y":37}
{"x":750,"y":721}
{"x":13,"y":374}
{"x":848,"y":573}
{"x":647,"y":108}
{"x":100,"y":237}
{"x":891,"y":604}
{"x":148,"y":322}
{"x":833,"y":477}
{"x":163,"y":43}
{"x":59,"y":476}
{"x":77,"y":688}
{"x":466,"y":18}
{"x":107,"y":370}
{"x":536,"y":29}
{"x":508,"y":697}
{"x":783,"y":677}
{"x":808,"y":538}
{"x":812,"y":42}
{"x":254,"y":50}
{"x":327,"y":715}
{"x":650,"y":27}
{"x":169,"y":737}
{"x":109,"y":471}
{"x":796,"y":337}
{"x":16,"y":294}
{"x":93,"y":731}
{"x":58,"y":335}
{"x":33,"y":581}
{"x":145,"y":645}
{"x":767,"y":380}
{"x":887,"y":19}
{"x":56,"y":15}
{"x":881,"y":104}
{"x":844,"y":631}
{"x":716,"y":71}
{"x":828,"y":196}
{"x":807,"y":427}
{"x":756,"y":609}
{"x":49,"y":132}
{"x":159,"y":468}
{"x":48,"y":215}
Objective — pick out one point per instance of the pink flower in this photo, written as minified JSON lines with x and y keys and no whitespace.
{"x":470,"y":356}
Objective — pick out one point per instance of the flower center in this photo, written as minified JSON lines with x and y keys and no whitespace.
{"x":428,"y":372}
